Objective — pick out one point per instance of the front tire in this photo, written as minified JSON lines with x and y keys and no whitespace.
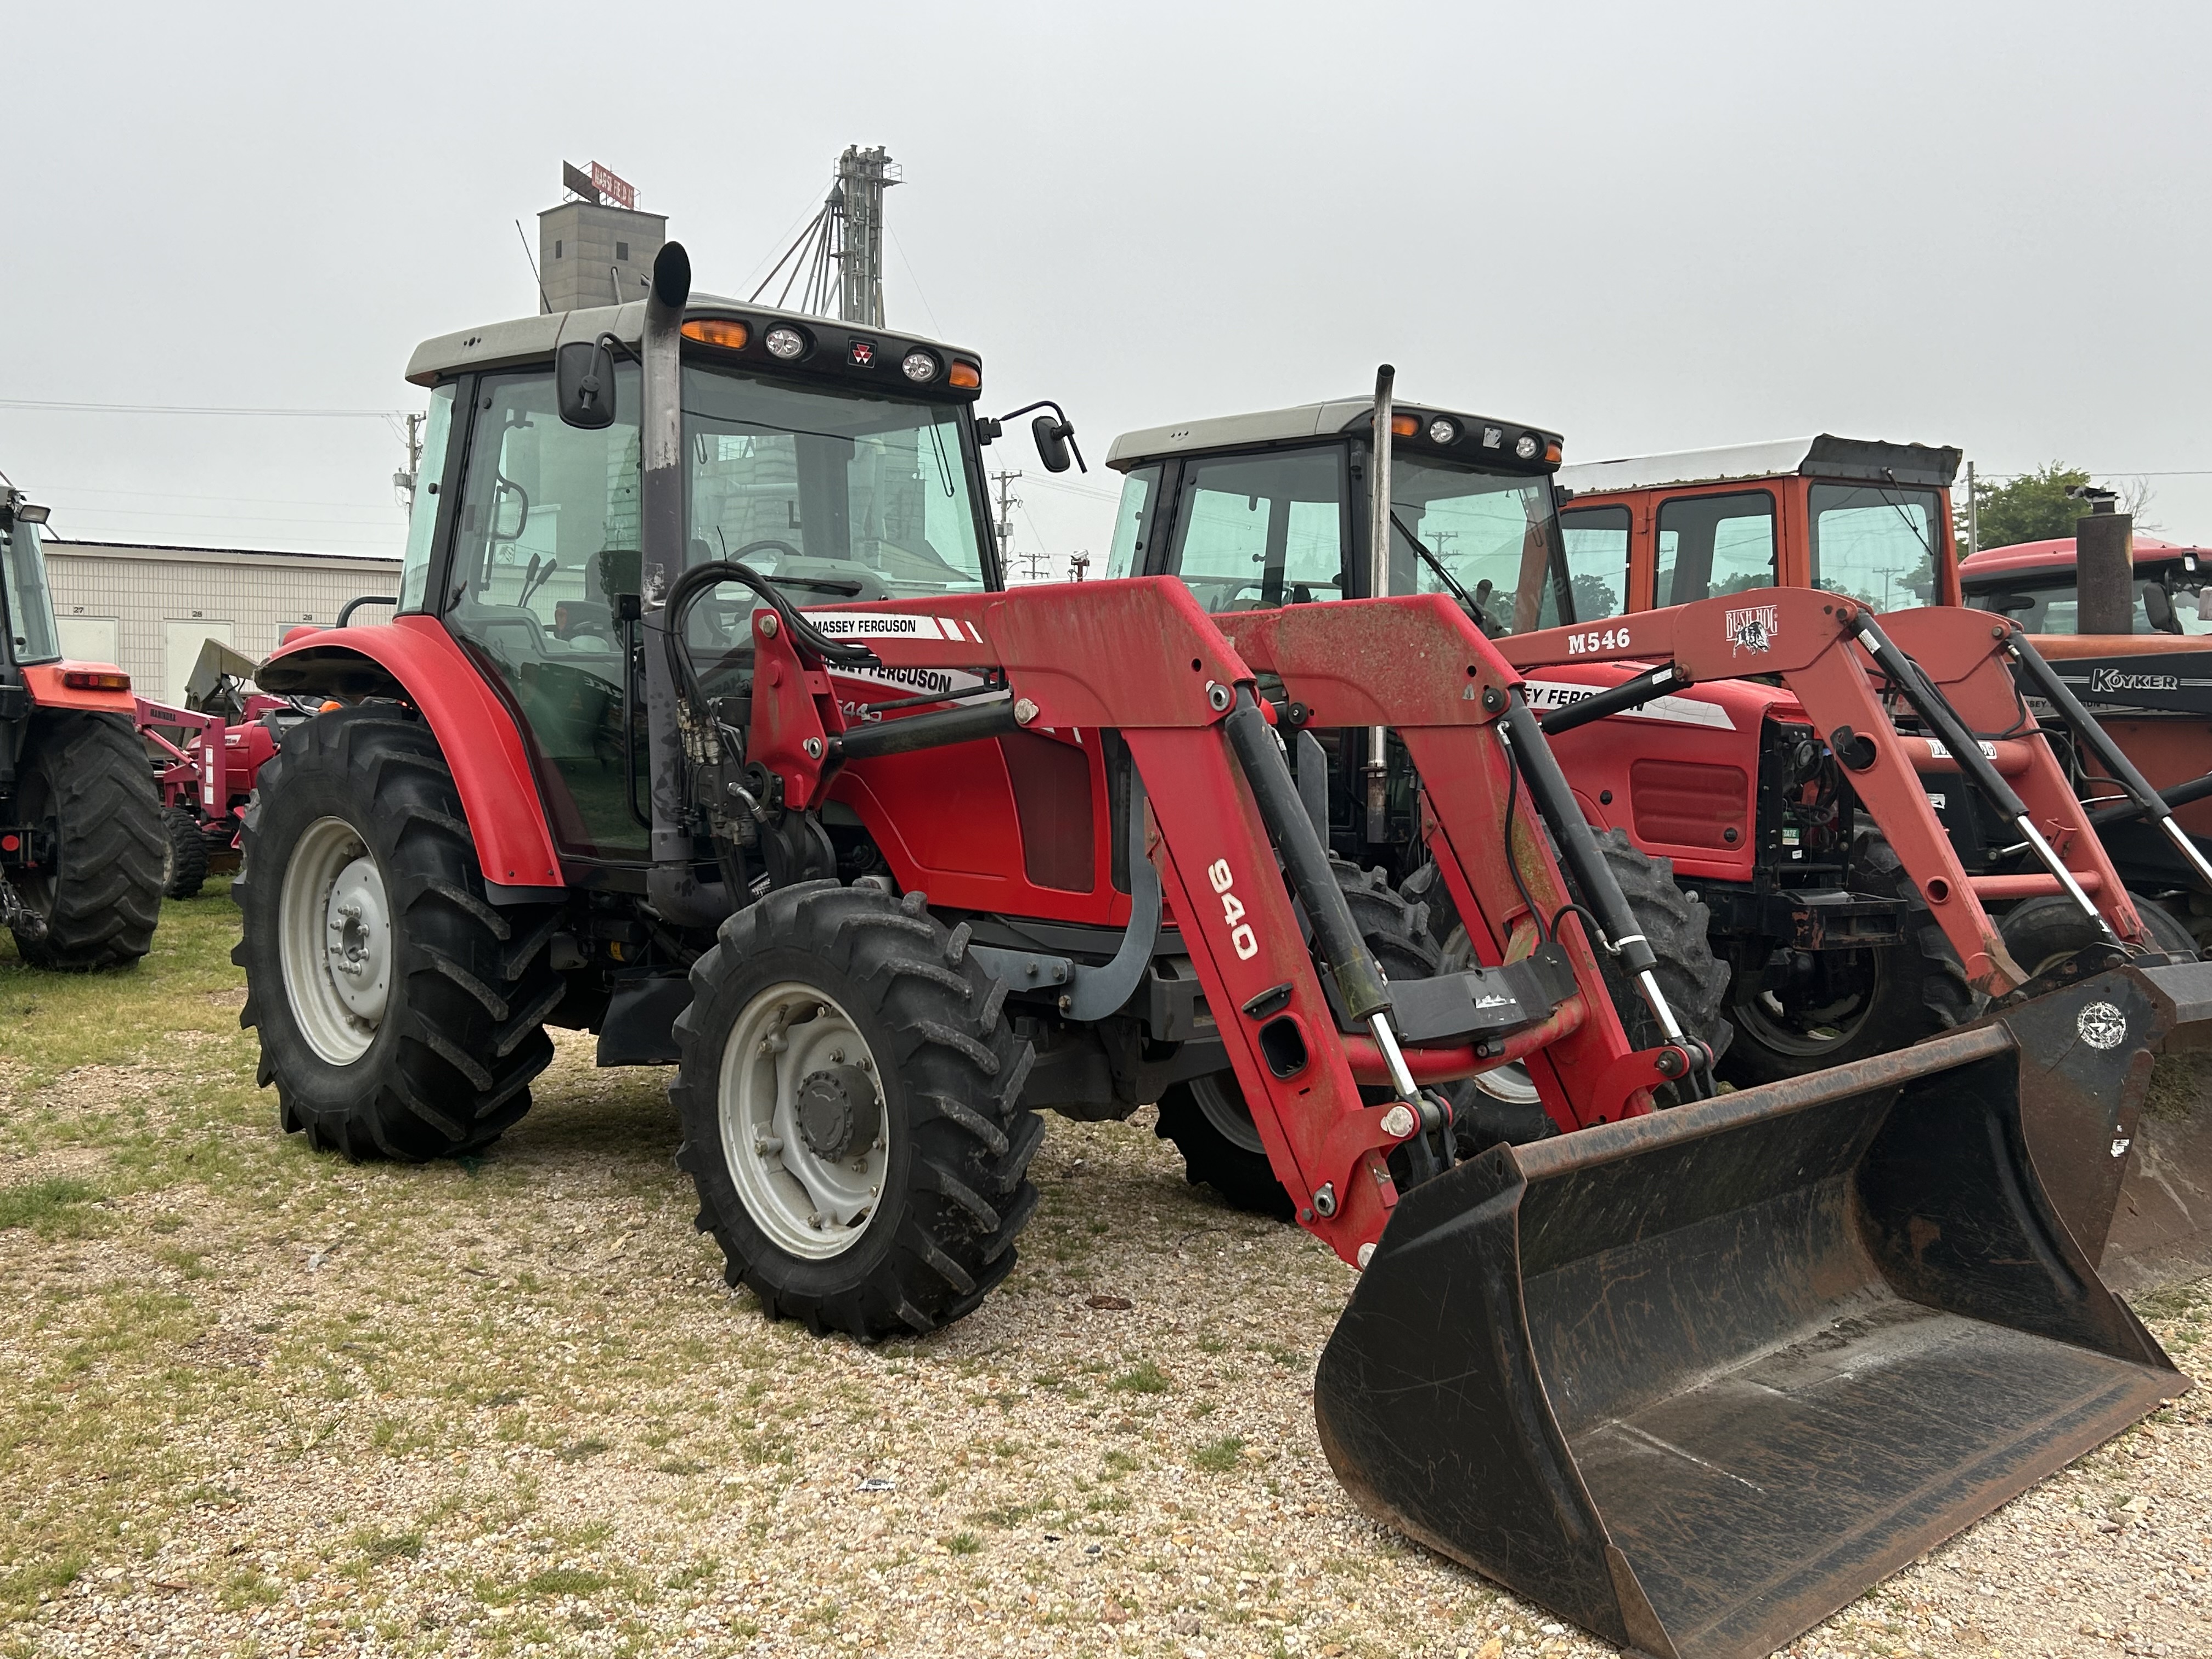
{"x":1208,"y":1119}
{"x":401,"y":1013}
{"x":850,"y":1091}
{"x":90,"y":781}
{"x":1900,"y":995}
{"x":184,"y":871}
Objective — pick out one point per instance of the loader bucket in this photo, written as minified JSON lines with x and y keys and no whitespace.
{"x":1698,"y":1379}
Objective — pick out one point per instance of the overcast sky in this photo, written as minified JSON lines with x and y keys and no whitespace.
{"x":1651,"y":227}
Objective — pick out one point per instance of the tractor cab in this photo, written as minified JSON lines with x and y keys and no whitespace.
{"x":1865,"y":519}
{"x":2033,"y":583}
{"x":1255,"y":511}
{"x":842,"y":462}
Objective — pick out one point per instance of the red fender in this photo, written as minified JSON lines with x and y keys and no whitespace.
{"x":422,"y":663}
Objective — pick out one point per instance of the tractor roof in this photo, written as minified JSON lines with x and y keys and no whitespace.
{"x":2058,"y":554}
{"x":1302,"y":423}
{"x":533,"y":339}
{"x":1824,"y":456}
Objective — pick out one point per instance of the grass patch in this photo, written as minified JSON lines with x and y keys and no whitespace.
{"x":1219,"y":1456}
{"x":564,"y":1581}
{"x":391,"y":1545}
{"x":963,"y":1543}
{"x":1143,"y":1377}
{"x":44,"y":1204}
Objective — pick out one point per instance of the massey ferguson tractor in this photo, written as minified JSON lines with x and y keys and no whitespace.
{"x":705,"y":724}
{"x":82,"y":846}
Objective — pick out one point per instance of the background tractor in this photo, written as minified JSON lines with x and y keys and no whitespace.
{"x":886,"y":874}
{"x":1872,"y":520}
{"x":82,"y":847}
{"x":1746,"y":770}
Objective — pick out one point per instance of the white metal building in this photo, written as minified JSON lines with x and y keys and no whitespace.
{"x":148,"y":610}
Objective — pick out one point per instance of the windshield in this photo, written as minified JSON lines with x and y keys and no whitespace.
{"x":1876,"y":543}
{"x":841,"y":494}
{"x":31,"y":630}
{"x":2171,"y":600}
{"x":1490,"y":541}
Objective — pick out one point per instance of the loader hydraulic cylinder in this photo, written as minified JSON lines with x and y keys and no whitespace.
{"x":903,"y":737}
{"x":1966,"y":751}
{"x":1628,"y":693}
{"x":1359,"y":981}
{"x":1555,"y":802}
{"x":2046,"y":683}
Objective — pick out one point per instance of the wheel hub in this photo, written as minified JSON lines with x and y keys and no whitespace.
{"x":357,"y":940}
{"x":837,"y":1110}
{"x":804,"y":1128}
{"x":334,"y":939}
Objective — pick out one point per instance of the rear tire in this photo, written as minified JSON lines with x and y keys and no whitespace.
{"x":183,"y":872}
{"x":88,"y":775}
{"x":411,"y":1026}
{"x":850,"y":1090}
{"x":1208,"y":1119}
{"x":1912,"y":990}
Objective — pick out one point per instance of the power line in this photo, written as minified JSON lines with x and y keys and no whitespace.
{"x":194,"y":408}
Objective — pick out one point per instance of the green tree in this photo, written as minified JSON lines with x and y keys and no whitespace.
{"x":2031,"y":507}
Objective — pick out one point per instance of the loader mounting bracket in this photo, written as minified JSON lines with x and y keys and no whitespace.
{"x":1450,"y":1009}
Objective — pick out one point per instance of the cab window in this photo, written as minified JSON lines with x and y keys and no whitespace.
{"x":1132,"y":522}
{"x":547,"y":533}
{"x":1596,"y":539}
{"x":1712,"y":544}
{"x":1875,"y":544}
{"x":1257,"y":531}
{"x":1483,"y":537}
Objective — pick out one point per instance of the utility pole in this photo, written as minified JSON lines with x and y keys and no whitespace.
{"x":1974,"y":515}
{"x":1007,"y":502}
{"x":406,"y":480}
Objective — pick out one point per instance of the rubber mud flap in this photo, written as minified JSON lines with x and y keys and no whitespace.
{"x":1698,"y":1379}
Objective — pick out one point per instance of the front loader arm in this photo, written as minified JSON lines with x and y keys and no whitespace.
{"x":1804,"y":636}
{"x":1142,"y":658}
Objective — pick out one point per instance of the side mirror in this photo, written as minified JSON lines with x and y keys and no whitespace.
{"x":27,"y":513}
{"x":1052,"y":435}
{"x":584,"y":377}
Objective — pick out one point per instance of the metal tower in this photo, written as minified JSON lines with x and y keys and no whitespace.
{"x":840,"y":252}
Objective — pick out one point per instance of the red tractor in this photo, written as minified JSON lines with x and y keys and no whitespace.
{"x":887,"y":874}
{"x":82,"y":848}
{"x":207,"y":758}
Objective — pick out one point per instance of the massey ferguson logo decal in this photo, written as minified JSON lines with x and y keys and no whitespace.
{"x":2113,"y":680}
{"x":1751,"y":630}
{"x":861,"y":354}
{"x":2101,"y":1025}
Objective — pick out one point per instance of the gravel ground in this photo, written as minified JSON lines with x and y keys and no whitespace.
{"x":257,"y":1401}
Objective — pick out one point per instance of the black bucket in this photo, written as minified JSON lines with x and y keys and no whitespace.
{"x":1697,"y":1380}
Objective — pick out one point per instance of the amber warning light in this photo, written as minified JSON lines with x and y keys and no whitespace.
{"x":96,"y":679}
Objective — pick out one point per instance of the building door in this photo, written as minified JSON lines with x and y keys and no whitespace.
{"x":92,"y":638}
{"x":180,"y":650}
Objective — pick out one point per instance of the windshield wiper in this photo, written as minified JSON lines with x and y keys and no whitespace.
{"x":1442,"y":574}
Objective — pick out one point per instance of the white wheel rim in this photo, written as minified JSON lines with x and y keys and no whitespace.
{"x":810,"y":1204}
{"x":1511,"y":1084}
{"x":334,"y":940}
{"x":1224,"y":1108}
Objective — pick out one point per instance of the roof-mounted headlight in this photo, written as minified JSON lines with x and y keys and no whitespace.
{"x":919,"y":367}
{"x":785,"y":342}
